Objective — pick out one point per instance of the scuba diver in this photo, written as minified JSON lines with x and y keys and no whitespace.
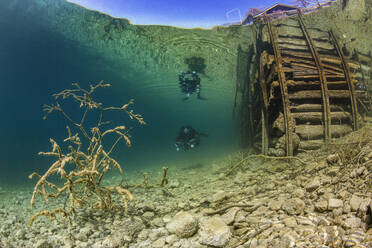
{"x":189,"y":83}
{"x":188,"y":138}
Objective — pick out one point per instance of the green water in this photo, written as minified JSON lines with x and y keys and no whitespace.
{"x":37,"y":61}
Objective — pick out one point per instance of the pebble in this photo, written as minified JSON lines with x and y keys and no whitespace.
{"x":214,"y":232}
{"x":334,"y":203}
{"x":183,"y":224}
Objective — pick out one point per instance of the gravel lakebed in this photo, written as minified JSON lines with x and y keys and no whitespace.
{"x":318,"y":199}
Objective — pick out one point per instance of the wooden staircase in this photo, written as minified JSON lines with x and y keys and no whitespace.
{"x":307,"y":78}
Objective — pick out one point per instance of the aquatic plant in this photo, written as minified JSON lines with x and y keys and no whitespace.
{"x":84,"y":165}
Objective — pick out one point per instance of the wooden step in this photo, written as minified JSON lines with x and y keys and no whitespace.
{"x":310,"y":144}
{"x":292,"y":83}
{"x":299,"y":75}
{"x":308,"y":94}
{"x":295,"y":30}
{"x":318,"y":116}
{"x":309,"y":107}
{"x":331,"y":59}
{"x":298,"y":47}
{"x":311,"y":132}
{"x":309,"y":69}
{"x":302,"y":42}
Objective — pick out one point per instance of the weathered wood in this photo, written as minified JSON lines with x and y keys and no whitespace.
{"x":300,"y":76}
{"x":308,"y":85}
{"x":309,"y":107}
{"x":332,"y":59}
{"x":296,"y":31}
{"x":322,"y":77}
{"x":303,"y":67}
{"x":348,"y":76}
{"x":301,"y":41}
{"x":310,"y":144}
{"x":302,"y":48}
{"x":283,"y":88}
{"x":311,"y":132}
{"x":308,"y":94}
{"x":318,"y":116}
{"x":265,"y":105}
{"x":308,"y":62}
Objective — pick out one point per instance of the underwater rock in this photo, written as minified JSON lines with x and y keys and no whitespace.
{"x":174,"y":183}
{"x":160,"y":243}
{"x":171,"y":239}
{"x":213,"y":231}
{"x":352,"y":222}
{"x":355,"y":202}
{"x":321,"y":206}
{"x":229,"y":216}
{"x":274,"y":204}
{"x":157,"y":233}
{"x":355,"y":9}
{"x":42,"y":244}
{"x":293,"y":206}
{"x":183,"y":224}
{"x":312,"y":185}
{"x":335,"y":203}
{"x":333,"y":159}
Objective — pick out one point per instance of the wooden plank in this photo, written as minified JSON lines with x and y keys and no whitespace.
{"x":311,"y":132}
{"x":325,"y":59}
{"x":265,"y":105}
{"x":334,"y":77}
{"x":307,"y":62}
{"x":296,"y":31}
{"x":348,"y":76}
{"x":283,"y":89}
{"x":310,"y":144}
{"x":303,"y":67}
{"x":322,"y":77}
{"x":309,"y":94}
{"x":302,"y":41}
{"x":318,"y":116}
{"x":309,"y":107}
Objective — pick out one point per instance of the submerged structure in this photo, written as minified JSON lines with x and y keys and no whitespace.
{"x":308,"y":90}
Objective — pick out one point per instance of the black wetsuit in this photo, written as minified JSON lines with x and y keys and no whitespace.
{"x":187,"y":138}
{"x":189,"y":83}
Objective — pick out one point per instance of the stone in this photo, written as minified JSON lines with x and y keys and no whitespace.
{"x":183,"y":224}
{"x":355,"y":9}
{"x":42,"y":244}
{"x":214,"y":232}
{"x":333,"y":159}
{"x":293,"y":206}
{"x":171,"y":239}
{"x":335,"y":203}
{"x":287,"y":241}
{"x":160,"y":243}
{"x":352,"y":222}
{"x":364,"y":205}
{"x":220,"y":196}
{"x":300,"y":193}
{"x":157,"y":233}
{"x":274,"y":205}
{"x":148,"y":215}
{"x":290,"y":222}
{"x":174,"y":183}
{"x":321,"y":206}
{"x":158,"y":222}
{"x":229,"y":216}
{"x":355,"y":202}
{"x":333,"y":171}
{"x":312,"y":185}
